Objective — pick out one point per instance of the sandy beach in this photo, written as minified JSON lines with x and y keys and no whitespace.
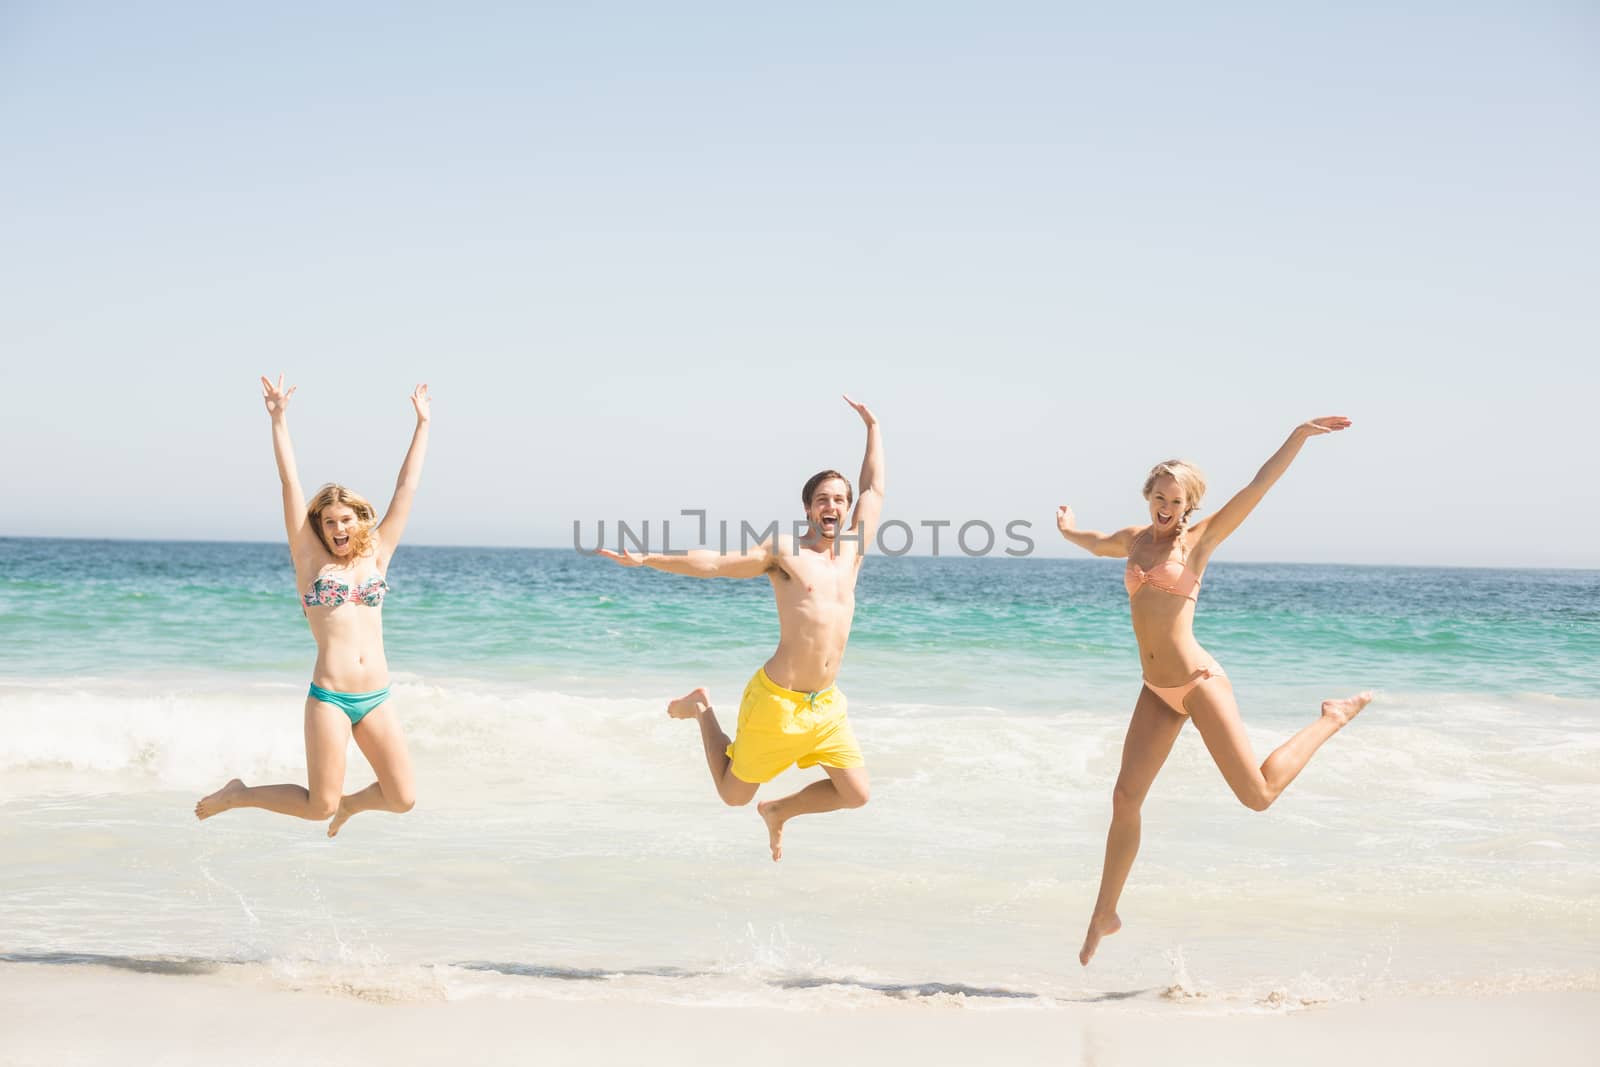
{"x":60,"y":1015}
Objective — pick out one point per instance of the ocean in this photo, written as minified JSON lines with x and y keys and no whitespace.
{"x":567,"y":841}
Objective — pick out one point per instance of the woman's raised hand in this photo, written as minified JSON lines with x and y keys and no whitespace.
{"x":276,"y":396}
{"x":419,"y":400}
{"x":1326,"y":424}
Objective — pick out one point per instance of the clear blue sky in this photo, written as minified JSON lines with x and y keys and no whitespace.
{"x":639,"y":250}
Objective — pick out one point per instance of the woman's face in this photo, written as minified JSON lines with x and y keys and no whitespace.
{"x":338,"y":522}
{"x":1167,"y":504}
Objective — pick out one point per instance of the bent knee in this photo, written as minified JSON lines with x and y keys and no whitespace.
{"x":735,"y":798}
{"x":1257,"y":799}
{"x":318,"y":808}
{"x":404,"y":803}
{"x":855,"y":798}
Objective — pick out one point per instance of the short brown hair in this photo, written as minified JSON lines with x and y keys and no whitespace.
{"x":820,"y":477}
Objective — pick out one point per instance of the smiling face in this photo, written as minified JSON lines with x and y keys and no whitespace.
{"x":830,"y":503}
{"x":1172,"y":490}
{"x":1168,"y":504}
{"x":340,"y":527}
{"x":343,"y":521}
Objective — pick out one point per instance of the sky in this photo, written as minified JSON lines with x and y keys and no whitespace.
{"x":639,"y":250}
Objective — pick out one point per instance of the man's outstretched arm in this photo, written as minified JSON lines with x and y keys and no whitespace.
{"x":702,"y":563}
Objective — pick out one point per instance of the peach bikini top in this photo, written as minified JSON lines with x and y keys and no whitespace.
{"x":1169,"y":577}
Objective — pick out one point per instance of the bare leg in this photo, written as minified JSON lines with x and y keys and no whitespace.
{"x":1150,"y":737}
{"x":843,"y":788}
{"x":696,"y":704}
{"x":1216,"y":716}
{"x":327,"y":733}
{"x":381,"y":740}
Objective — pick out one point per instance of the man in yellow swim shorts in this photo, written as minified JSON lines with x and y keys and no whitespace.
{"x":791,"y":712}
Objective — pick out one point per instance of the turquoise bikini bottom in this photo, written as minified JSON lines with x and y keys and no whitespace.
{"x":354,"y":705}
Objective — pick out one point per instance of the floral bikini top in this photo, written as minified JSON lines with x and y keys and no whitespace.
{"x":329,"y":592}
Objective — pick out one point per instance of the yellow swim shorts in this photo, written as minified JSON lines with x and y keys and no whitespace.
{"x":779,"y":726}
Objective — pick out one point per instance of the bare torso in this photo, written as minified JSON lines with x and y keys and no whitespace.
{"x":349,"y":637}
{"x":1163,"y":623}
{"x":815,"y":589}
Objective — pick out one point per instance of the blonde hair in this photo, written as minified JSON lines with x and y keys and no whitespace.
{"x":1193,"y":484}
{"x":327,"y":497}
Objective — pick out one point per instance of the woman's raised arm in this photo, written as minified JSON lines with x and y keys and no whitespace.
{"x":393,"y":525}
{"x":276,"y":398}
{"x":1214,"y":530}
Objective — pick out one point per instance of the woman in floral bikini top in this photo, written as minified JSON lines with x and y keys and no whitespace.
{"x":341,"y":555}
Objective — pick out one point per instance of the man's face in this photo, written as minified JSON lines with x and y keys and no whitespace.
{"x":830,"y":503}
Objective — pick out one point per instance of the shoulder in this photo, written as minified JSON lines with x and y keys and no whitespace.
{"x":304,"y":553}
{"x":771,"y":551}
{"x":304,"y":541}
{"x":1127,"y":537}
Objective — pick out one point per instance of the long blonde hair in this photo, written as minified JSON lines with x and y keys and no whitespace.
{"x":1193,"y":484}
{"x":327,"y":497}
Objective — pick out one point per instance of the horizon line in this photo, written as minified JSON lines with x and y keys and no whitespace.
{"x":907,"y":555}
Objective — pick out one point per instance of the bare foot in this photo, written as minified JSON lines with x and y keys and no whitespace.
{"x":220,"y":801}
{"x":768,"y":810}
{"x":340,"y":817}
{"x":1342,"y":711}
{"x":691,"y":705}
{"x":1098,"y":928}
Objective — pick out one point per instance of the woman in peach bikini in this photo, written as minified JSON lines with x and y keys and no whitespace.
{"x":1166,"y":560}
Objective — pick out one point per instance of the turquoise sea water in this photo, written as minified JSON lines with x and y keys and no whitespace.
{"x":123,"y":607}
{"x":566,"y":827}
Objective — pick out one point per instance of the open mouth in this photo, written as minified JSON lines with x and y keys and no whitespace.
{"x":1162,"y":518}
{"x":340,"y":541}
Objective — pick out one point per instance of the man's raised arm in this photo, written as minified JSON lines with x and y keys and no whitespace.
{"x":869,"y":504}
